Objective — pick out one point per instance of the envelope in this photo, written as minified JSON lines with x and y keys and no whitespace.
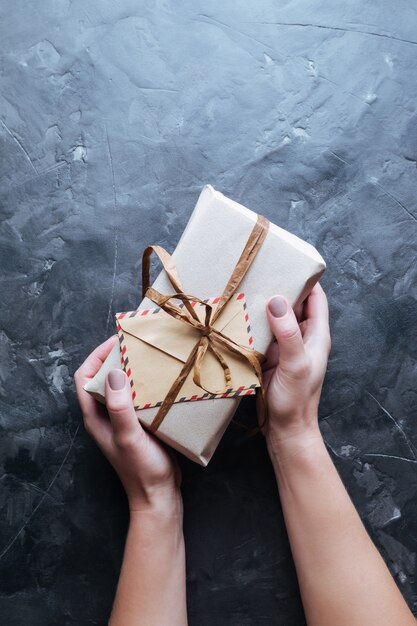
{"x":154,"y":347}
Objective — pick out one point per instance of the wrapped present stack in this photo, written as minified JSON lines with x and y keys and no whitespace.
{"x":194,"y":346}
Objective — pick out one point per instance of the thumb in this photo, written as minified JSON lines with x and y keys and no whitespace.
{"x":284,"y":325}
{"x":120,"y":406}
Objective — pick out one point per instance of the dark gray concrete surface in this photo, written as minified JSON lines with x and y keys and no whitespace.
{"x":112,"y":117}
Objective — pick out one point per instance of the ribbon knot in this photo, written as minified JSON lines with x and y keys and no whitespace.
{"x":210,"y":337}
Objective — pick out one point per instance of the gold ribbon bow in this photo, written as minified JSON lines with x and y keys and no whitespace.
{"x":209,"y":336}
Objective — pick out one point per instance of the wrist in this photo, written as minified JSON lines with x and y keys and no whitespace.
{"x":163,"y":503}
{"x":158,"y":527}
{"x":157,"y":519}
{"x":300,"y":461}
{"x":285,"y":443}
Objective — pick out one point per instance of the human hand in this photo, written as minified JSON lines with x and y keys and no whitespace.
{"x":294,"y":371}
{"x":147,"y":470}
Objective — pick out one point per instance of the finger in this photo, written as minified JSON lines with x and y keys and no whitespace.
{"x":89,"y":369}
{"x":316,"y":307}
{"x":97,"y":424}
{"x":86,"y":401}
{"x":96,"y":421}
{"x":317,"y":315}
{"x":285,"y":327}
{"x":119,"y":404}
{"x":299,"y":311}
{"x":94,"y":361}
{"x":271,"y":357}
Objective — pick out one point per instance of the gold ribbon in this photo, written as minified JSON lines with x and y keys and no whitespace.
{"x":209,"y":336}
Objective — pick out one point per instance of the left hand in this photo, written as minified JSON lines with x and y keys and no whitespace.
{"x":147,"y":470}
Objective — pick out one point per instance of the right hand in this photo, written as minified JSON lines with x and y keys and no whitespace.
{"x":294,"y":371}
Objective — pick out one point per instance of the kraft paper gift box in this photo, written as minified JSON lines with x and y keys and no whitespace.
{"x":205,"y":257}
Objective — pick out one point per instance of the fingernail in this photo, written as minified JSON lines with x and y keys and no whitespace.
{"x":278,"y":306}
{"x":117,"y":379}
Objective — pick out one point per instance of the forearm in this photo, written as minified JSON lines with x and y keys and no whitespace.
{"x":342,"y":577}
{"x":151,"y":589}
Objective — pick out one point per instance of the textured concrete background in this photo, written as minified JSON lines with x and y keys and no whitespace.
{"x":112,"y":117}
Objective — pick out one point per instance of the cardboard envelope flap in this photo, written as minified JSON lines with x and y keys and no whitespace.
{"x":178,"y":338}
{"x":232,"y":308}
{"x":162,"y":332}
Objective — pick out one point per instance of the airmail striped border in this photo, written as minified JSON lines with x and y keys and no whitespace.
{"x":229,"y":393}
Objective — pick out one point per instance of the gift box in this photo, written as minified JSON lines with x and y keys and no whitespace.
{"x":158,"y":339}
